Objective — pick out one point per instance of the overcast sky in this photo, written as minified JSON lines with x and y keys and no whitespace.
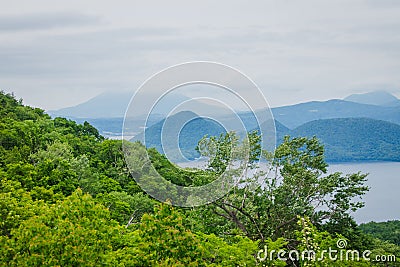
{"x":56,"y":54}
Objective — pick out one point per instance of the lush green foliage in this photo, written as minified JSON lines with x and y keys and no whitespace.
{"x":67,"y":198}
{"x":72,"y":232}
{"x":386,"y":231}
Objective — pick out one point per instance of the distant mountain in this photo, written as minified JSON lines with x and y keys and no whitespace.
{"x":355,"y":139}
{"x":287,"y":118}
{"x":280,"y":131}
{"x":182,"y":130}
{"x":345,"y":139}
{"x":106,"y":105}
{"x":296,"y":115}
{"x":350,"y":139}
{"x":376,"y":105}
{"x":115,"y":104}
{"x":379,"y":98}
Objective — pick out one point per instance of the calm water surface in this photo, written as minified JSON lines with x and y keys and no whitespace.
{"x":382,"y":202}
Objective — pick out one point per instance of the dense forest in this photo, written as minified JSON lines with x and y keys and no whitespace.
{"x":68,"y":198}
{"x":387,"y":231}
{"x":355,"y":139}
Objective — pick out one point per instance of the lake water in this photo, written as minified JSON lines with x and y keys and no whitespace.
{"x":382,"y":202}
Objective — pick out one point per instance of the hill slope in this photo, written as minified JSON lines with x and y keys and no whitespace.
{"x":296,"y":115}
{"x":182,"y":130}
{"x":355,"y":139}
{"x":106,"y":105}
{"x":345,"y":139}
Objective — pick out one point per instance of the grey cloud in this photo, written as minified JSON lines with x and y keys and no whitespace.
{"x":37,"y":21}
{"x":383,"y":3}
{"x":71,"y":53}
{"x":103,"y":51}
{"x":298,"y":54}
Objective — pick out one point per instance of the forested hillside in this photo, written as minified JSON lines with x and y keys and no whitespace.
{"x":388,"y":231}
{"x":67,"y":198}
{"x":355,"y":139}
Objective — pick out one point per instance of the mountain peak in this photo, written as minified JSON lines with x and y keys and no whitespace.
{"x":186,"y":113}
{"x":378,"y":98}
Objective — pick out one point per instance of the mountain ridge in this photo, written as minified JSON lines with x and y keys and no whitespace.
{"x":291,"y":116}
{"x":344,"y":139}
{"x":183,"y":130}
{"x":295,"y":115}
{"x":354,"y":125}
{"x":354,"y":139}
{"x":379,"y":98}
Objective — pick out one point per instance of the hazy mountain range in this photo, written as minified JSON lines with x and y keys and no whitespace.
{"x":359,"y":127}
{"x":114,"y":105}
{"x":345,"y":139}
{"x":296,"y":115}
{"x":182,"y":130}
